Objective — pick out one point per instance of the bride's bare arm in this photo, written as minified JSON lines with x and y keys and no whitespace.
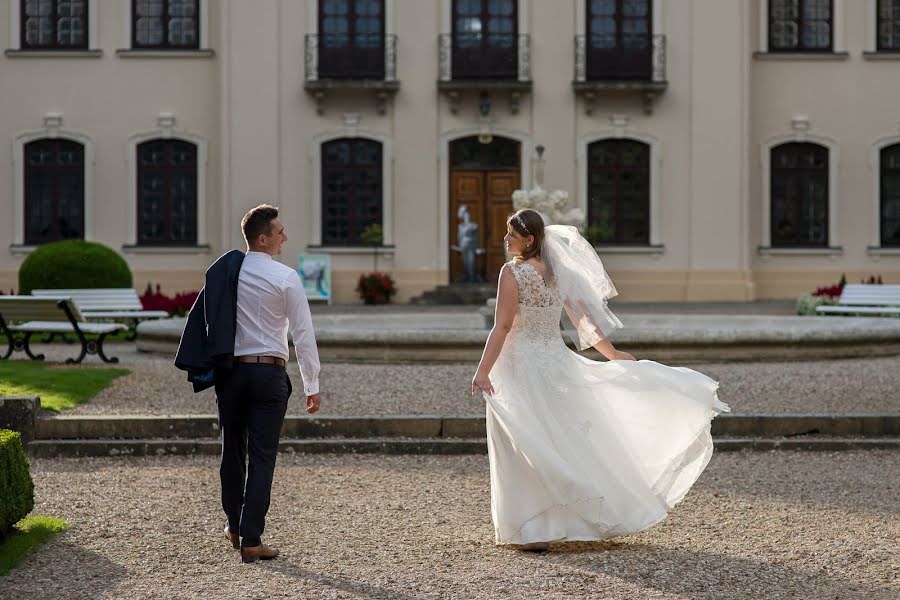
{"x":578,"y":314}
{"x":606,"y":348}
{"x":504,"y":313}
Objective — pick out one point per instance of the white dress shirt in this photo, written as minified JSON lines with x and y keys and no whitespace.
{"x":269,"y":296}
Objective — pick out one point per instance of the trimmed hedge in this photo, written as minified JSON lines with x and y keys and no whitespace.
{"x":73,"y":264}
{"x":17,"y":499}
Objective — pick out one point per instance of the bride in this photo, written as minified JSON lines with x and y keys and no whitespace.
{"x":578,"y":449}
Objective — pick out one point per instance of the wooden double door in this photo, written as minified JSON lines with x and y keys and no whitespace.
{"x":488,"y":196}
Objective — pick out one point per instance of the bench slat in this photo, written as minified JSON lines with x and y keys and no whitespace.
{"x":124,"y":314}
{"x":57,"y":327}
{"x":29,"y":308}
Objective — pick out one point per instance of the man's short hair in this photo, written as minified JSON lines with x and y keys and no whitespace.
{"x":258,"y":221}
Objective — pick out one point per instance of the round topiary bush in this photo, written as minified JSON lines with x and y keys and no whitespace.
{"x":73,"y":264}
{"x":17,"y":498}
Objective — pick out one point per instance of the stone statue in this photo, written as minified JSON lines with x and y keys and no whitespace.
{"x":468,"y":245}
{"x":552,"y":206}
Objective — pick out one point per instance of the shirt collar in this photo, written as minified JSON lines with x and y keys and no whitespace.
{"x":263,"y":255}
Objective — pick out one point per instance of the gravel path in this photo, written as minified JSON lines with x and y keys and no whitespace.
{"x":834,"y":386}
{"x":757,"y":525}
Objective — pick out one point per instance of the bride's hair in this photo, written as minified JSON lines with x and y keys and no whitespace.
{"x":527,"y":222}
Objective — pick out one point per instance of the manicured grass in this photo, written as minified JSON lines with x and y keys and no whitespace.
{"x":28,"y":533}
{"x":59,"y":387}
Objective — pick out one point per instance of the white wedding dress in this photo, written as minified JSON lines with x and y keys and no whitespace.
{"x":586,"y":450}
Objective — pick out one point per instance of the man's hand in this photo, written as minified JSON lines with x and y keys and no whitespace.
{"x":312,"y":403}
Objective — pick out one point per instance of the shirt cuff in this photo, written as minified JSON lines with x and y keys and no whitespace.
{"x":310,"y":388}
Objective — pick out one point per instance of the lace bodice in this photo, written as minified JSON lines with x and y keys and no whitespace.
{"x":537,"y":317}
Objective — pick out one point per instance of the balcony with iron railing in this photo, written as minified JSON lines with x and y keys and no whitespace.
{"x":610,"y":64}
{"x":342,"y":61}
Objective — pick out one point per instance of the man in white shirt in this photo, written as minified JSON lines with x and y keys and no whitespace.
{"x":253,"y":398}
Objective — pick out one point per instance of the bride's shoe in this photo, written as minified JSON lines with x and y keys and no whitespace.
{"x":534,"y":547}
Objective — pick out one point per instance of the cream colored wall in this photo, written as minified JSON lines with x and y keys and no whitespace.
{"x":110,"y":99}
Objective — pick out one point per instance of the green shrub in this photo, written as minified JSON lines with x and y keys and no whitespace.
{"x":73,"y":264}
{"x":17,"y":498}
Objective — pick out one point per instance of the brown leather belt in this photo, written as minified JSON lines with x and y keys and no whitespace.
{"x":265,"y":360}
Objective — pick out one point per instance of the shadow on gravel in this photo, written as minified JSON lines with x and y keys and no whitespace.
{"x":706,"y":575}
{"x":47,"y":572}
{"x":365,"y":590}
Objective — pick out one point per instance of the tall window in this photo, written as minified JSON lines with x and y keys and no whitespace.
{"x":165,"y":24}
{"x":800,"y":25}
{"x":54,"y":191}
{"x":351,"y":39}
{"x":619,"y":39}
{"x":167,"y":193}
{"x":54,"y":24}
{"x":619,"y":192}
{"x":889,"y":25}
{"x":799,"y":195}
{"x":485,"y":40}
{"x":351,"y":189}
{"x":890,"y":196}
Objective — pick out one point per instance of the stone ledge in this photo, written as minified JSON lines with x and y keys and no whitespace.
{"x":19,"y":413}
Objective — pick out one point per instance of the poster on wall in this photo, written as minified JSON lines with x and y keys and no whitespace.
{"x":315,"y":272}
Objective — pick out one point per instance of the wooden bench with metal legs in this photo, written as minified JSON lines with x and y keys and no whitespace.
{"x":21,"y":317}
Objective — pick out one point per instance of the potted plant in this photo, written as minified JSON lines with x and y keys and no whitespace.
{"x":374,"y":236}
{"x":376,"y":288}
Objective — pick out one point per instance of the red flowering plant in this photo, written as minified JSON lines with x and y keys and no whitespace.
{"x":376,"y":288}
{"x":826,"y":294}
{"x":179,"y":304}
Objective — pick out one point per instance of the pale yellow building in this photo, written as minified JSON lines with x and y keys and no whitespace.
{"x":723,"y":149}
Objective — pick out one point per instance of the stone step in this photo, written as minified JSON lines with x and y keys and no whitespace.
{"x":437,"y":427}
{"x":161,"y":447}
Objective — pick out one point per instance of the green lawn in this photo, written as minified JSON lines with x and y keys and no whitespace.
{"x":28,"y":533}
{"x":60,"y":387}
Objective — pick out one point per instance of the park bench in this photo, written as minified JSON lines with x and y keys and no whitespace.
{"x":21,"y":317}
{"x":121,"y":305}
{"x":869,"y":299}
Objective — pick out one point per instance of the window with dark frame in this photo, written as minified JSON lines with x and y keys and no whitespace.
{"x":54,"y":24}
{"x":890,"y":196}
{"x":801,"y":25}
{"x":54,"y":191}
{"x":165,"y":24}
{"x":619,"y":192}
{"x":351,"y":189}
{"x":351,"y":39}
{"x":167,"y":193}
{"x":888,"y":26}
{"x":619,"y":39}
{"x":799,"y":195}
{"x":485,"y":39}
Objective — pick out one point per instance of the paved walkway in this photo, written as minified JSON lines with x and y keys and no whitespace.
{"x":756,"y":526}
{"x":836,"y":386}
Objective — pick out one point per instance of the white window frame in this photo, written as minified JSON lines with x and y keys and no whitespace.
{"x":834,"y":188}
{"x":387,"y":181}
{"x":19,"y":177}
{"x":15,"y":26}
{"x":203,"y":25}
{"x":134,"y":140}
{"x":838,"y":44}
{"x":655,"y":173}
{"x":526,"y":150}
{"x":875,"y":162}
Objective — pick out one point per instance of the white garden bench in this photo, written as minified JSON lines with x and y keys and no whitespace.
{"x":21,"y":317}
{"x":869,"y":299}
{"x":122,"y":305}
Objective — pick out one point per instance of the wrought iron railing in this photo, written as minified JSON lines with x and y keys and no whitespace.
{"x":351,"y":56}
{"x":637,"y":57}
{"x":484,"y":56}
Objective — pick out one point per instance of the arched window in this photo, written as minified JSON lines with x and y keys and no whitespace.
{"x":54,"y":24}
{"x":54,"y":190}
{"x":351,"y":189}
{"x":618,"y":192}
{"x":890,"y":196}
{"x":799,"y":195}
{"x":801,"y":25}
{"x":167,"y":193}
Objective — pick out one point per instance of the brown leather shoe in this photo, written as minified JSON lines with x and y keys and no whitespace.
{"x":251,"y":554}
{"x":234,"y":538}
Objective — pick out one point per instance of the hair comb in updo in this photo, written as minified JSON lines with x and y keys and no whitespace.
{"x":522,"y":224}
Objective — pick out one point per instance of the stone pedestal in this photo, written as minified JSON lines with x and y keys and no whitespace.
{"x":20,"y":414}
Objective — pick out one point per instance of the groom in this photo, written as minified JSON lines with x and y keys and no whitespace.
{"x":262,"y":300}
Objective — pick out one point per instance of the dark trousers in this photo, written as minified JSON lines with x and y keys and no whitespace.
{"x":252,"y":402}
